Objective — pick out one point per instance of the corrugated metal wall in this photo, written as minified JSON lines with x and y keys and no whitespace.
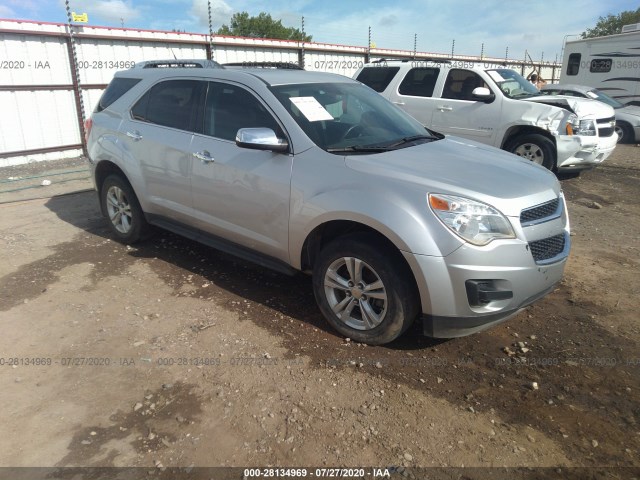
{"x":40,"y":117}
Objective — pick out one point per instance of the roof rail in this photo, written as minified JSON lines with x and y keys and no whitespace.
{"x":416,"y":59}
{"x":279,"y":65}
{"x":182,"y":63}
{"x":432,"y":59}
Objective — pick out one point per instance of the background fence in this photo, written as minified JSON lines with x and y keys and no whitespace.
{"x":44,"y":99}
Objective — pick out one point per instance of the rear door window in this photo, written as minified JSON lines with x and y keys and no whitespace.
{"x":173,"y":103}
{"x":377,"y":78}
{"x":419,"y":82}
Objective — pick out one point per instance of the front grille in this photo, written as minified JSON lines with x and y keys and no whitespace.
{"x":547,"y":248}
{"x":539,"y":212}
{"x":606,"y":126}
{"x":605,"y":132}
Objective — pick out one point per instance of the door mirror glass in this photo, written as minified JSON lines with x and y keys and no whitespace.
{"x":260,"y":139}
{"x":482,"y":94}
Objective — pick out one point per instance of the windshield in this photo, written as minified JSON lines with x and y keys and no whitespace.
{"x":603,"y":97}
{"x":350,"y":118}
{"x":512,"y":84}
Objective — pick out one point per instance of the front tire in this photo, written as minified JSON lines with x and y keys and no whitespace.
{"x":122,"y":209}
{"x":534,"y":147}
{"x":625,"y":132}
{"x":364,"y":292}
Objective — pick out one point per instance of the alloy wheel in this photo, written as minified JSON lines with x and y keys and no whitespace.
{"x":531,"y":152}
{"x":355,"y":293}
{"x":119,"y":209}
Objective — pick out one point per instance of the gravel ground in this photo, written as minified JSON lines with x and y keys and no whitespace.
{"x":172,"y":354}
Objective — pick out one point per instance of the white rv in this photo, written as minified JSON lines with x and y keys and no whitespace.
{"x":610,"y":64}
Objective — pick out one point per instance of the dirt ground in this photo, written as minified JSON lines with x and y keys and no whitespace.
{"x":173,"y":354}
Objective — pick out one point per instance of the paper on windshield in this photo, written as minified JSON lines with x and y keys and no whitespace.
{"x":495,"y":76}
{"x":592,"y":95}
{"x":311,"y":109}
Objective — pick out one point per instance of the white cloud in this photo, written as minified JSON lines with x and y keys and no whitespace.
{"x":110,"y":11}
{"x":6,"y":12}
{"x":28,"y":6}
{"x":540,"y":27}
{"x":221,"y":13}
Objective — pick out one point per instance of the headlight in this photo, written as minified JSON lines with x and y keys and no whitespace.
{"x":571,"y":121}
{"x":475,"y":222}
{"x":585,"y":128}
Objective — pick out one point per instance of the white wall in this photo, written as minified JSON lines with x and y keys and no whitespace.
{"x":36,"y":55}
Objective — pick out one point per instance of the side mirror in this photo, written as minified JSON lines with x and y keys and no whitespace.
{"x":483,"y":94}
{"x":260,"y":139}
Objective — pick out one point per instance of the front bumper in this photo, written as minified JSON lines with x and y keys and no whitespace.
{"x":506,"y":264}
{"x":452,"y":327}
{"x":576,"y":153}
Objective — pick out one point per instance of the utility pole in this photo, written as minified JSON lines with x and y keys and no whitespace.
{"x":415,"y":44}
{"x":301,"y":59}
{"x":210,"y":49}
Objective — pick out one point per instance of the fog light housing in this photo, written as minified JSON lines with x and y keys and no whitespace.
{"x":482,"y":292}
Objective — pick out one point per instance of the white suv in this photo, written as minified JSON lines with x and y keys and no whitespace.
{"x":495,"y":105}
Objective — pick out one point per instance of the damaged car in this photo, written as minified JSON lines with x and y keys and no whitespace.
{"x":495,"y":105}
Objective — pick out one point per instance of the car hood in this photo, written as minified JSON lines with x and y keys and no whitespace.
{"x":583,"y":107}
{"x":630,"y":110}
{"x":462,"y":167}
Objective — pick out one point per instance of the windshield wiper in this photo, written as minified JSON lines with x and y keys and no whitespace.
{"x":527,"y":94}
{"x":409,"y":140}
{"x":382,"y":148}
{"x":357,"y":148}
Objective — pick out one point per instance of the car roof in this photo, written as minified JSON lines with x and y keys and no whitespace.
{"x":417,"y":62}
{"x":207,"y":69}
{"x":287,"y":76}
{"x":568,"y":86}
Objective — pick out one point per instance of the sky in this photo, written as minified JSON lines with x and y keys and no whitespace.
{"x":489,"y":26}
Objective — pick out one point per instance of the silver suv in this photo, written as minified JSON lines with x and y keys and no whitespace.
{"x":315,"y":172}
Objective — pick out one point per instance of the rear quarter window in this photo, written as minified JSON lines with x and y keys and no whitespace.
{"x":377,"y":78}
{"x":117,"y":88}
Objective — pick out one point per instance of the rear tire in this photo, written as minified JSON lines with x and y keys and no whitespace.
{"x":122,"y":209}
{"x":537,"y":148}
{"x":364,"y":292}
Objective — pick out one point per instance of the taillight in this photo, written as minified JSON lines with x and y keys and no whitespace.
{"x":88,"y":123}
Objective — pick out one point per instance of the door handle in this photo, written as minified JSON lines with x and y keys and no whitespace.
{"x":135,"y":135}
{"x":399,"y":103}
{"x":442,"y":108}
{"x":204,"y":156}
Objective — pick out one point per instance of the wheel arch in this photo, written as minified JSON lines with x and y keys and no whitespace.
{"x":103,"y":169}
{"x":330,"y":230}
{"x":518,"y":130}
